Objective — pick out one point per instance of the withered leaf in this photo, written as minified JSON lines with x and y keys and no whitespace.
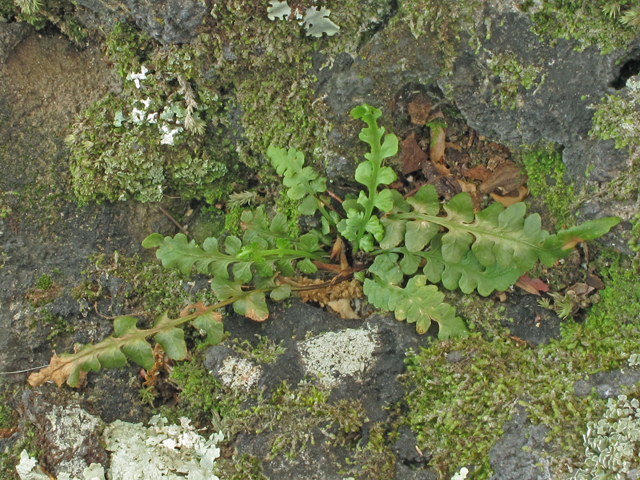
{"x":532,"y":285}
{"x":507,"y":200}
{"x":436,"y":152}
{"x":594,"y":281}
{"x":419,"y":110}
{"x":343,"y":308}
{"x":413,"y":157}
{"x":580,"y":289}
{"x":57,"y":371}
{"x":198,"y":308}
{"x":479,"y":172}
{"x":506,"y":178}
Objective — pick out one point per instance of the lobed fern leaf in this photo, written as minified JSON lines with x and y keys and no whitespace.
{"x":495,"y":235}
{"x":303,"y":182}
{"x":417,"y":302}
{"x":361,"y":226}
{"x":130,"y":343}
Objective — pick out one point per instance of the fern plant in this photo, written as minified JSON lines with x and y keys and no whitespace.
{"x":402,"y":249}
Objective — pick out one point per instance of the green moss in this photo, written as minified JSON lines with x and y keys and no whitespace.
{"x":149,"y":288}
{"x":201,"y":396}
{"x":265,"y":351}
{"x":588,"y":22}
{"x":161,"y":134}
{"x":513,"y":77}
{"x":546,"y":173}
{"x":240,"y":467}
{"x":617,"y":117}
{"x":40,"y":13}
{"x":448,"y":21}
{"x":8,"y":418}
{"x":232,"y":221}
{"x":466,"y":402}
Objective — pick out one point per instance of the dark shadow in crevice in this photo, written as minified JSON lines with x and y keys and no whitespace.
{"x":630,"y":68}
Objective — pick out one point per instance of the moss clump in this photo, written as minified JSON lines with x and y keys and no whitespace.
{"x":587,"y":22}
{"x":41,"y":13}
{"x":513,"y":77}
{"x":461,"y":402}
{"x":546,"y":173}
{"x":160,"y":135}
{"x":201,"y":396}
{"x":617,"y":117}
{"x":447,"y":20}
{"x":147,"y":286}
{"x":265,"y":351}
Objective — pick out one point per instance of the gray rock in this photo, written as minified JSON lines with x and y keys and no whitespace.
{"x":521,"y":452}
{"x":607,"y":384}
{"x":170,"y":21}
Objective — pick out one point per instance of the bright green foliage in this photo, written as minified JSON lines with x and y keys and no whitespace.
{"x":495,"y":235}
{"x":265,"y":250}
{"x":304,"y":183}
{"x":417,"y":302}
{"x":361,"y":226}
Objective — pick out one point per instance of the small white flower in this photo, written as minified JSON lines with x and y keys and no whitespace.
{"x":152,"y":117}
{"x":461,"y":475}
{"x":146,"y":103}
{"x":136,"y":77}
{"x":137,"y":116}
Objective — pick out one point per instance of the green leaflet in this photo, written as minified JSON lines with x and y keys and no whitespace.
{"x":360,"y":225}
{"x":250,"y":303}
{"x":303,"y":182}
{"x":467,"y":274}
{"x":417,"y":302}
{"x":212,"y":325}
{"x":171,"y":338}
{"x":495,"y":235}
{"x":264,"y":249}
{"x":137,"y":350}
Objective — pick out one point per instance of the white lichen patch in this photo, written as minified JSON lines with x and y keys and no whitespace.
{"x":160,"y":451}
{"x":68,"y":432}
{"x":315,"y":19}
{"x":335,"y":355}
{"x":28,"y":470}
{"x":612,"y":444}
{"x":239,"y":373}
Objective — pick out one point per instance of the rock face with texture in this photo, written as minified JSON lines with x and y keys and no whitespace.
{"x":358,"y":362}
{"x":174,"y":21}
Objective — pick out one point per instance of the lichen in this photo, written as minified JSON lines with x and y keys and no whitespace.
{"x":612,"y":444}
{"x":334,"y":356}
{"x":160,"y":450}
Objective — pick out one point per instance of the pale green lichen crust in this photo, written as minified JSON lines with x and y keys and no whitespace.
{"x":334,"y":356}
{"x":612,"y":444}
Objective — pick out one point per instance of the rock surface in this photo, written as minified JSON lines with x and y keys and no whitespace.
{"x":46,"y":81}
